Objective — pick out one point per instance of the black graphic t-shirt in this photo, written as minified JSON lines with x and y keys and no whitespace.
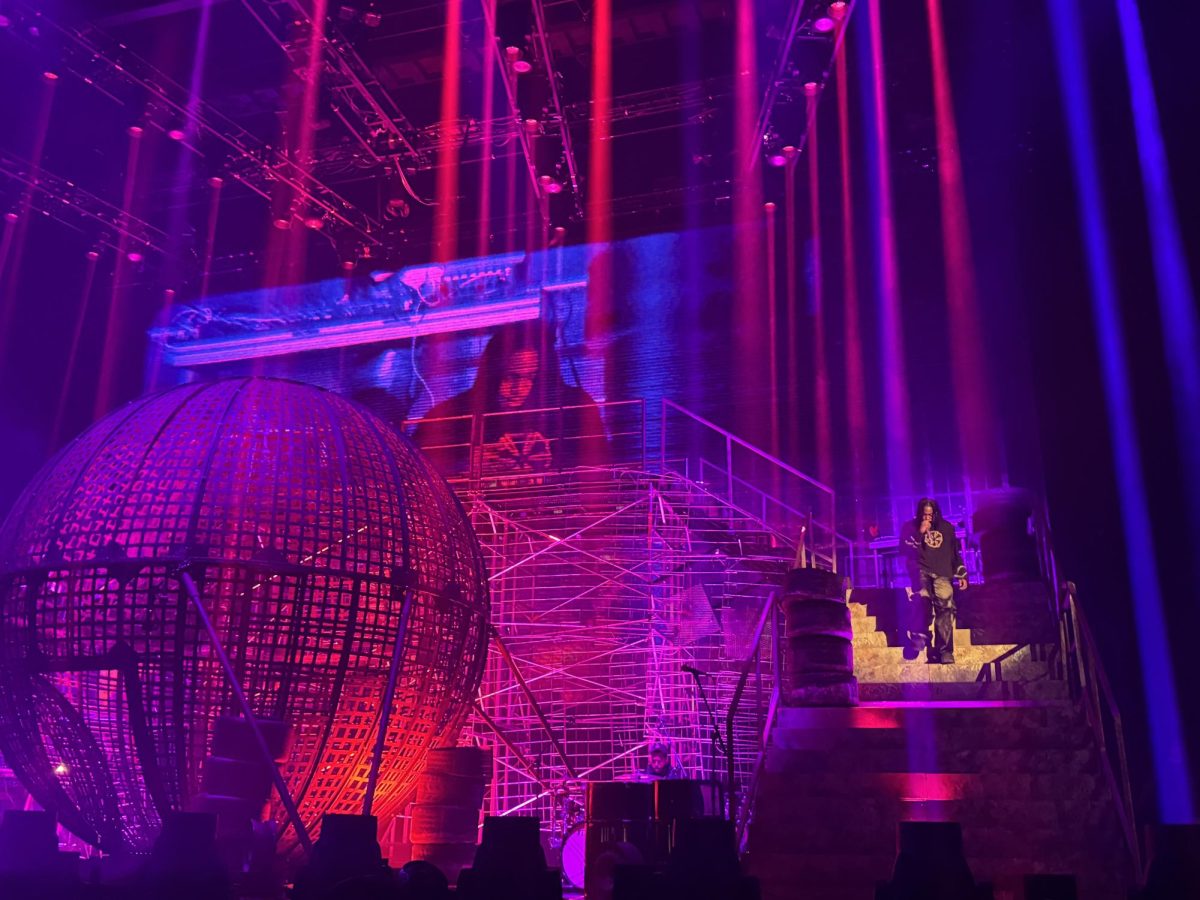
{"x":933,"y":553}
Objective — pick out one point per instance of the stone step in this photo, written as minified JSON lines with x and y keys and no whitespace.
{"x":861,"y":623}
{"x":988,"y":850}
{"x":921,"y":672}
{"x":876,"y":863}
{"x":846,"y":860}
{"x":986,"y":714}
{"x":1045,"y":689}
{"x":868,"y":639}
{"x":830,"y":876}
{"x":1018,"y":734}
{"x":1078,"y":822}
{"x":1014,"y":669}
{"x":915,"y":786}
{"x":964,"y":654}
{"x":1032,"y":761}
{"x":1104,"y":880}
{"x":850,"y":876}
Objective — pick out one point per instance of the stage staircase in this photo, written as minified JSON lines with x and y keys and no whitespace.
{"x":1018,"y":669}
{"x":998,"y":742}
{"x":1023,"y":778}
{"x":606,"y":581}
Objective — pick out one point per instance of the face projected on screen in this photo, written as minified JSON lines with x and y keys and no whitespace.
{"x":519,"y":410}
{"x":516,"y":382}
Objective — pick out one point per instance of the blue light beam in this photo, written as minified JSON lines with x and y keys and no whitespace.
{"x":1166,"y":732}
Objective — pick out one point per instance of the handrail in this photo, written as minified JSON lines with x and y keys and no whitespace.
{"x":1083,"y":670}
{"x":733,"y":438}
{"x":824,"y":494}
{"x":747,"y":805}
{"x":766,"y":526}
{"x":739,"y":806}
{"x":473,"y":427}
{"x":834,"y":535}
{"x":1091,"y":683}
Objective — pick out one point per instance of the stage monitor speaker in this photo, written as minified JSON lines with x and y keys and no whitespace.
{"x":347,"y":849}
{"x":510,"y":863}
{"x":930,"y":865}
{"x":1050,"y":887}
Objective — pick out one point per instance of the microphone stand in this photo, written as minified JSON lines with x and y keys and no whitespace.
{"x":716,"y":742}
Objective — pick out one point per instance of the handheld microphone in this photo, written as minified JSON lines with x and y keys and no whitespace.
{"x":692,"y":670}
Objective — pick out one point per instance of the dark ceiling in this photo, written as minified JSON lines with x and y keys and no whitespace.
{"x":370,"y":179}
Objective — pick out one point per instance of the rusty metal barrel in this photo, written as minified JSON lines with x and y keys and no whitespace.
{"x":819,"y":648}
{"x":444,"y":821}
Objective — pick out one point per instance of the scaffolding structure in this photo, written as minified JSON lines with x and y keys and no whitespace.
{"x":611,"y":585}
{"x":606,"y":583}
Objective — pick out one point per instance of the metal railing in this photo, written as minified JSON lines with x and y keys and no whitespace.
{"x":479,"y":446}
{"x":741,"y":802}
{"x":751,"y":480}
{"x":1089,"y":684}
{"x":1083,"y":670}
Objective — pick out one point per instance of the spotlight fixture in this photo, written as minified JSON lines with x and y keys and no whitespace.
{"x":50,"y":77}
{"x":314,"y":222}
{"x":134,"y":256}
{"x":215,"y":182}
{"x":10,"y":217}
{"x":372,"y":19}
{"x":837,"y":10}
{"x":135,"y":131}
{"x":773,"y":148}
{"x":93,"y":255}
{"x":549,"y":185}
{"x":349,"y":250}
{"x":811,"y":88}
{"x":176,"y":134}
{"x":282,"y":209}
{"x":519,"y":65}
{"x":395,"y":194}
{"x":824,"y":25}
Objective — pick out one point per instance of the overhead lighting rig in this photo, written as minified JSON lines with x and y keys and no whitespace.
{"x":356,"y":96}
{"x":114,"y":70}
{"x":70,"y":205}
{"x":806,"y":20}
{"x":556,"y":118}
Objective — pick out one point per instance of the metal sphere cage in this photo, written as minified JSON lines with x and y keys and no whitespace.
{"x":306,"y":524}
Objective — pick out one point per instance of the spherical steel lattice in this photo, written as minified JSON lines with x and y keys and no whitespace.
{"x":306,"y":523}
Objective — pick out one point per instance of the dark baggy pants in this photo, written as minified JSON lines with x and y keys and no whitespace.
{"x":933,"y":605}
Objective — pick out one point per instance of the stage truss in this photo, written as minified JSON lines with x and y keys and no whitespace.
{"x":605,"y":583}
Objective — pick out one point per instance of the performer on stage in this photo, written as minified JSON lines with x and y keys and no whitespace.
{"x":930,"y":550}
{"x":660,"y":766}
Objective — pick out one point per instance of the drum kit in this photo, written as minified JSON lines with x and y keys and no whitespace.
{"x":633,"y":820}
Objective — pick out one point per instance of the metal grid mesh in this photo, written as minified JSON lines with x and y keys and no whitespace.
{"x":606,"y":582}
{"x":305,"y":521}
